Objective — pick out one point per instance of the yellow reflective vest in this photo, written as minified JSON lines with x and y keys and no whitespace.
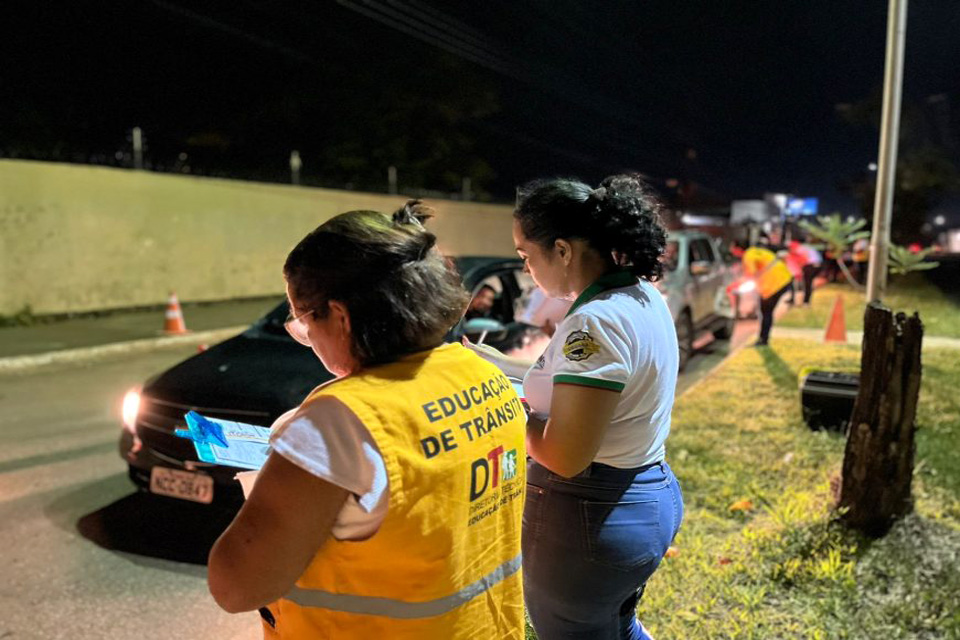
{"x":445,"y":562}
{"x":771,"y":273}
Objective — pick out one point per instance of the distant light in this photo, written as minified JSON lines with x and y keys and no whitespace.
{"x":872,"y":166}
{"x":802,"y":206}
{"x":939,"y":221}
{"x":672,"y":183}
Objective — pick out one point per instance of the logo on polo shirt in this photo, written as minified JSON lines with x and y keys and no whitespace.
{"x":579,"y":345}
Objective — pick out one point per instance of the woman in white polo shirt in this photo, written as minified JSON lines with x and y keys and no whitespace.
{"x":602,"y":504}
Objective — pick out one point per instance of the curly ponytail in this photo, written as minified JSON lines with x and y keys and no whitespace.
{"x":620,"y":219}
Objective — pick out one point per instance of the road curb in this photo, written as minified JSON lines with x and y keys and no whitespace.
{"x":28,"y":363}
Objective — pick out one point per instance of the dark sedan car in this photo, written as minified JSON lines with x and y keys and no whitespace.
{"x":257,"y":376}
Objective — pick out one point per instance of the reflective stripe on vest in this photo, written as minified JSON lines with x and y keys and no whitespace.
{"x":390,"y":608}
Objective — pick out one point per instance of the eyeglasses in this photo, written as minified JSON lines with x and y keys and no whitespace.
{"x":297,"y":328}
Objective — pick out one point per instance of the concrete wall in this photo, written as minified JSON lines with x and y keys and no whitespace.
{"x":77,"y":238}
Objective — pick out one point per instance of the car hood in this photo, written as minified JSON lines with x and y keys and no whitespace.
{"x":248,"y":373}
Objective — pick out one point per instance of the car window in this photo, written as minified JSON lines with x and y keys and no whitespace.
{"x":273,"y":321}
{"x":701,"y":251}
{"x":723,"y":251}
{"x":692,"y":255}
{"x":711,"y":249}
{"x":497,"y":296}
{"x":485,"y":299}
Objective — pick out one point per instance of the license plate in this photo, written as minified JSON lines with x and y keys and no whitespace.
{"x":181,"y":484}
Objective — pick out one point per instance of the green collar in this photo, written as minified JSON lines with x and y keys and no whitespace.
{"x":612,"y":280}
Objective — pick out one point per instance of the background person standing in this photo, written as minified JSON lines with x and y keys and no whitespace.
{"x":811,"y":261}
{"x":602,"y":503}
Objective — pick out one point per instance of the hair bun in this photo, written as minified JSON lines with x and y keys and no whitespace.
{"x":412,"y":212}
{"x":412,"y":215}
{"x":422,"y":245}
{"x":599,"y":193}
{"x":620,"y":219}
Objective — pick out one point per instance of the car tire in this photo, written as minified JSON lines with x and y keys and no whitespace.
{"x":725,"y":332}
{"x":684,"y":328}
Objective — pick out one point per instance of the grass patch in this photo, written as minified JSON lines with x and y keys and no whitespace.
{"x":940,"y":314}
{"x":783,"y":568}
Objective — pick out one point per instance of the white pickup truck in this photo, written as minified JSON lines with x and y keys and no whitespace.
{"x":695,"y":282}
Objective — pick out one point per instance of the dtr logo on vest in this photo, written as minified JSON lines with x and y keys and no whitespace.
{"x":487,"y":472}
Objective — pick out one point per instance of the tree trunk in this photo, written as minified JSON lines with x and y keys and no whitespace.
{"x":849,"y":276}
{"x":878,"y":461}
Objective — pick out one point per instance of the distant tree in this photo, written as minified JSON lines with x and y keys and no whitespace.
{"x":838,"y":235}
{"x":926,"y":168}
{"x":420,"y":122}
{"x":903,"y":261}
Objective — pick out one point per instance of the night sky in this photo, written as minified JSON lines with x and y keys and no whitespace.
{"x":738,"y":96}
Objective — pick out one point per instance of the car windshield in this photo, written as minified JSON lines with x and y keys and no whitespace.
{"x":273,"y":321}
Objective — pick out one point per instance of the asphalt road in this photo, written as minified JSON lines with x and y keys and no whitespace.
{"x":82,"y":555}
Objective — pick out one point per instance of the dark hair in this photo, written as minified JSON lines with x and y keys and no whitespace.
{"x":401,"y":293}
{"x":620,"y":219}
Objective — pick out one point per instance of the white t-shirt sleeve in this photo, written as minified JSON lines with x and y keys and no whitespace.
{"x":326,"y":439}
{"x":593,"y":352}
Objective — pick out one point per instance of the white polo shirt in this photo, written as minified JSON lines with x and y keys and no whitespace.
{"x":618,"y":335}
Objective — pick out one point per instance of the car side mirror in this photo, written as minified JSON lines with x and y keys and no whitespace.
{"x":700,"y":268}
{"x":484,"y":328}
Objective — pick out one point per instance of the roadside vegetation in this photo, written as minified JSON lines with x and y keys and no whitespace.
{"x":22,"y":318}
{"x":759,"y":555}
{"x":940,"y":314}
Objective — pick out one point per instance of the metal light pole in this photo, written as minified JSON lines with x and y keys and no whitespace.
{"x":889,"y":135}
{"x":137,"y":148}
{"x":392,"y":180}
{"x":295,"y":165}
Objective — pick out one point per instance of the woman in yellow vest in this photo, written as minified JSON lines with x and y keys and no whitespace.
{"x":390,"y":505}
{"x":773,"y":279}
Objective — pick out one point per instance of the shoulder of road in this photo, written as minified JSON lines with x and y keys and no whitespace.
{"x":87,"y":338}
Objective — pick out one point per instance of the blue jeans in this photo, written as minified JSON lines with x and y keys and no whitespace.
{"x":589,"y":545}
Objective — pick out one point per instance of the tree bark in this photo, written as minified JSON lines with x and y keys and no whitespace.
{"x":878,"y":460}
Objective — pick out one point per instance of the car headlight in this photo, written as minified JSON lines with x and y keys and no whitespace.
{"x":131,"y":407}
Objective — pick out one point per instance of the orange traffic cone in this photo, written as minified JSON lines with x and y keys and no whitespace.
{"x":837,"y":327}
{"x":173,"y":320}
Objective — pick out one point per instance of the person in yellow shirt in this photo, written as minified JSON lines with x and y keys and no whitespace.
{"x":773,"y":279}
{"x":390,"y":505}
